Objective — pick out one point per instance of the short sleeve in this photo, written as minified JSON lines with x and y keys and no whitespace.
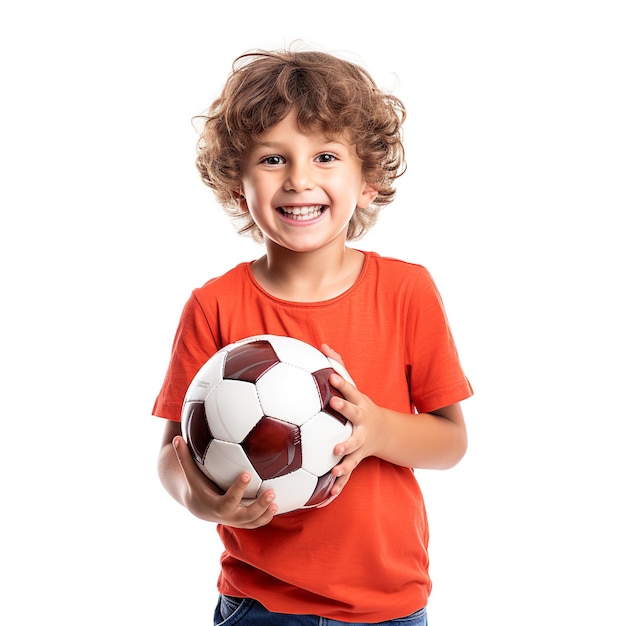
{"x":193,"y":345}
{"x":435,"y":373}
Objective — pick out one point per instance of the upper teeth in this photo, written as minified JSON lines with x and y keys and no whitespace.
{"x":303,"y":212}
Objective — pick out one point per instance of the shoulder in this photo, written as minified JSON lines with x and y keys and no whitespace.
{"x":225,"y":282}
{"x":397,"y":270}
{"x":400,"y":283}
{"x":231,"y":275}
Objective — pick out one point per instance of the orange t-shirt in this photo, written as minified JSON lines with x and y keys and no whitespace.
{"x":363,"y":557}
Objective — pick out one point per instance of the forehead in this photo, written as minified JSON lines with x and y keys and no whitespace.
{"x":290,"y":128}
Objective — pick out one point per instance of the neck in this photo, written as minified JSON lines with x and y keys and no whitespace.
{"x":308,"y":276}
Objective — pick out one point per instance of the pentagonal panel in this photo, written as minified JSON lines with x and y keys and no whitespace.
{"x":195,"y":429}
{"x":321,"y":493}
{"x":225,"y":462}
{"x":319,"y":436}
{"x":232,"y":410}
{"x":288,"y":393}
{"x":249,"y":361}
{"x":340,"y":369}
{"x":327,"y":391}
{"x":273,"y":447}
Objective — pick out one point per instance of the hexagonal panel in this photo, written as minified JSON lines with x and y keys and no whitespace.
{"x":274,"y":448}
{"x":208,"y":376}
{"x":292,"y":490}
{"x":225,"y":462}
{"x":232,"y":409}
{"x":288,"y":393}
{"x":320,"y":435}
{"x":296,"y":352}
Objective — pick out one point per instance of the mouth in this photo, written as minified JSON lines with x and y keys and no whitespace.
{"x":302,"y":213}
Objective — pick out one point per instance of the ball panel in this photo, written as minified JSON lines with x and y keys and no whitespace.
{"x":340,"y":369}
{"x":292,"y":490}
{"x":274,"y":448}
{"x":321,"y":493}
{"x":327,"y":391}
{"x":207,"y":378}
{"x":319,"y":437}
{"x":224,"y":462}
{"x":249,"y":360}
{"x":232,"y":409}
{"x":299,"y":353}
{"x":288,"y":393}
{"x":195,"y":429}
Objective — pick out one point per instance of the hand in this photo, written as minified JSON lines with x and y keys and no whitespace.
{"x":204,"y":500}
{"x":367,"y":421}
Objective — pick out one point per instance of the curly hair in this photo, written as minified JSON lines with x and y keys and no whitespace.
{"x":328,"y":94}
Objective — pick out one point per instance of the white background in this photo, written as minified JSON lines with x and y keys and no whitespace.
{"x":514,"y":200}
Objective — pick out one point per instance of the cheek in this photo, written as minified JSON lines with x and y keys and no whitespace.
{"x":248,"y":196}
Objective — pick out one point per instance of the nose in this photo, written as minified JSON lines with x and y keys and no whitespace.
{"x":299,"y":177}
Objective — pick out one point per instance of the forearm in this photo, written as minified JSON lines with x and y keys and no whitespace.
{"x":435,"y":440}
{"x":171,"y":474}
{"x":426,"y":440}
{"x":187,"y":485}
{"x":182,"y":479}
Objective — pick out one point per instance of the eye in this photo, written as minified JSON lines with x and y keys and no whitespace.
{"x":273,"y":160}
{"x":326,"y":157}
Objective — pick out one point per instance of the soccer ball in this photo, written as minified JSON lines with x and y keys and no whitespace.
{"x":261,"y":405}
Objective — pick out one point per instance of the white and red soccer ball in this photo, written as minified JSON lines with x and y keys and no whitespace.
{"x":261,"y":405}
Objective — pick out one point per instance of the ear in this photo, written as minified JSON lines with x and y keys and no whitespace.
{"x":367,"y":195}
{"x":240,"y":199}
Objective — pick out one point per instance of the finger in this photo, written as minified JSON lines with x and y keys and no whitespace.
{"x":348,"y":463}
{"x":236,"y":492}
{"x":263,"y":509}
{"x":184,"y":457}
{"x":338,"y":485}
{"x":346,"y":399}
{"x":343,"y":384}
{"x":329,"y":352}
{"x":235,"y":495}
{"x":336,"y":489}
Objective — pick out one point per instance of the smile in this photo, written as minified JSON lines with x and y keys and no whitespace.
{"x":302,"y":213}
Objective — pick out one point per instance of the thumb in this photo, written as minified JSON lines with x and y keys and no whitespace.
{"x":329,"y":352}
{"x":183,"y":454}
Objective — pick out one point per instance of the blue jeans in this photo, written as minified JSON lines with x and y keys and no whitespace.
{"x":247,"y":612}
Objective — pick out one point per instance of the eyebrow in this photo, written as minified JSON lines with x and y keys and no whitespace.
{"x":278,"y":144}
{"x":265,"y":144}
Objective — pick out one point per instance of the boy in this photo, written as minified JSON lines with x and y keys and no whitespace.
{"x":303,"y":149}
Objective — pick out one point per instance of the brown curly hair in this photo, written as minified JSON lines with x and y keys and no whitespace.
{"x":328,"y":94}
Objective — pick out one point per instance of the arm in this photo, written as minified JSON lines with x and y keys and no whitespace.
{"x":435,"y":440}
{"x":184,"y":481}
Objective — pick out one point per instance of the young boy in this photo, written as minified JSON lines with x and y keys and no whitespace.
{"x":304,"y":149}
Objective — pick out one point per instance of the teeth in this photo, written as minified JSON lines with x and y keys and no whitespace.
{"x":303,"y":212}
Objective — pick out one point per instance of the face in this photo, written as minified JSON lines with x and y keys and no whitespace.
{"x":301,"y":189}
